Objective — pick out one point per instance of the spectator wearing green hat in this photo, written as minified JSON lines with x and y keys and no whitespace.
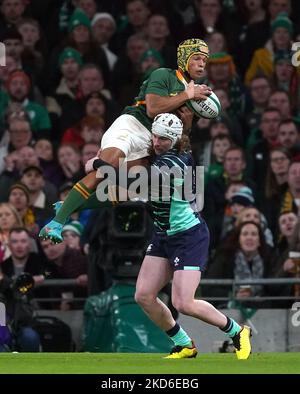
{"x":72,"y":233}
{"x":151,"y":59}
{"x":81,"y":39}
{"x":78,"y":18}
{"x":69,"y":61}
{"x":262,"y":62}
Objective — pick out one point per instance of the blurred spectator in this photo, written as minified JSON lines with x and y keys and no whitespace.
{"x":158,"y":36}
{"x":285,"y":266}
{"x":18,"y":160}
{"x":219,"y":146}
{"x":92,"y":130}
{"x":18,"y":88}
{"x":286,"y":77}
{"x":221,"y":74}
{"x":25,"y":60}
{"x":126,"y":72}
{"x":34,"y":48}
{"x":287,"y":223}
{"x":262,"y":62}
{"x":19,"y":197}
{"x":268,"y":127}
{"x":9,"y":218}
{"x":70,"y":62}
{"x":211,"y":17}
{"x":72,"y":233}
{"x":137,"y":15}
{"x":11,"y":12}
{"x":89,"y":7}
{"x":103,"y":28}
{"x":244,"y":256}
{"x":89,"y":130}
{"x":51,"y":169}
{"x":12,"y":40}
{"x":69,"y":160}
{"x":227,"y":118}
{"x":241,"y":199}
{"x":253,"y":31}
{"x":88,"y":151}
{"x":10,"y":66}
{"x":252,"y":214}
{"x":280,"y":99}
{"x":202,"y":134}
{"x":90,"y":81}
{"x":150,"y":61}
{"x":33,"y":178}
{"x":80,"y":38}
{"x":277,"y":174}
{"x":289,"y":200}
{"x":21,"y":259}
{"x":13,"y":111}
{"x":260,"y":152}
{"x":216,"y":42}
{"x":288,"y":136}
{"x":20,"y":135}
{"x":96,"y":104}
{"x":260,"y":91}
{"x":66,"y":263}
{"x":215,"y":199}
{"x":277,"y":7}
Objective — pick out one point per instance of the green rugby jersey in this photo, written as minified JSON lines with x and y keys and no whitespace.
{"x":177,"y":212}
{"x":162,"y":82}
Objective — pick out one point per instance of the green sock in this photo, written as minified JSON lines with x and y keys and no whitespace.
{"x":179,"y":336}
{"x":77,"y":196}
{"x":232,"y":327}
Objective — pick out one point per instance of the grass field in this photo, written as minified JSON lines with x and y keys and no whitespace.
{"x":129,"y":363}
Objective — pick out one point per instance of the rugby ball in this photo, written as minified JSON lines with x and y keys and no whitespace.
{"x":208,"y":109}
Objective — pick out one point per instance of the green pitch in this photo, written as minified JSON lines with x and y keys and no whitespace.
{"x":129,"y":363}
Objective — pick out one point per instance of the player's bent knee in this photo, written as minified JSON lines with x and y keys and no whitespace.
{"x":143,"y":299}
{"x":182,"y":306}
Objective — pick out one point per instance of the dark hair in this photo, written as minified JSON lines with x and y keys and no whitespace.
{"x":232,"y":245}
{"x":272,"y":188}
{"x":238,"y":148}
{"x":222,"y":137}
{"x":19,"y":230}
{"x":288,"y":121}
{"x":271,"y":109}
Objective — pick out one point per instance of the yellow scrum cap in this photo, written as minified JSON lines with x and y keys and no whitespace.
{"x":188,"y":48}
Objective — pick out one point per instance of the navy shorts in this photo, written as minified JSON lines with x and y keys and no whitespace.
{"x":187,"y":250}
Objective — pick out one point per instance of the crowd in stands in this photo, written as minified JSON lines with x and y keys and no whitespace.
{"x":72,"y":65}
